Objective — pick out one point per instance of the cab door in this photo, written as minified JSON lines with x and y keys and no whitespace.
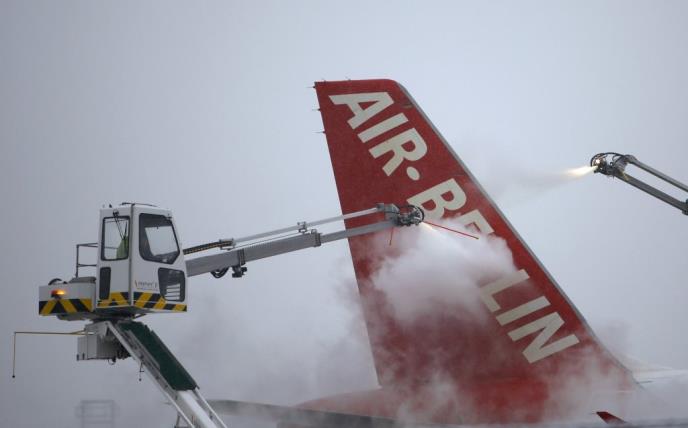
{"x":114,"y":260}
{"x":159,"y":271}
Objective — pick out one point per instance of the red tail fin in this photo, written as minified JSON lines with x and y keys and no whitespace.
{"x":384,"y":149}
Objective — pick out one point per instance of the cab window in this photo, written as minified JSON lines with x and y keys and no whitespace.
{"x":157,"y":240}
{"x":115,"y":238}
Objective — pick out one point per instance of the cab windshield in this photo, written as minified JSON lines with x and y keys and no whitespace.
{"x":157,"y":240}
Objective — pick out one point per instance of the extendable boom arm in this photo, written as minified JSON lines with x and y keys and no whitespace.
{"x":235,"y":258}
{"x":616,"y":168}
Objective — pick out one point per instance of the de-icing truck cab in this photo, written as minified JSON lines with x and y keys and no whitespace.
{"x":140,"y":269}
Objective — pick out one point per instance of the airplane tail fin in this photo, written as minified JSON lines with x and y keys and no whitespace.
{"x":508,"y":329}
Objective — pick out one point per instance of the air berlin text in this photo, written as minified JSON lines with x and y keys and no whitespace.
{"x":408,"y":146}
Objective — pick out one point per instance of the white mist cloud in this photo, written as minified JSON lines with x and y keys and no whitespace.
{"x":579,"y":390}
{"x":428,"y":272}
{"x":435,"y":270}
{"x":512,"y":180}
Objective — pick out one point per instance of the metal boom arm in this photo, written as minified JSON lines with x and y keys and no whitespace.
{"x":616,"y":168}
{"x":235,"y":258}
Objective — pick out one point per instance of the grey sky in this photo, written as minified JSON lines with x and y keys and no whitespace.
{"x":204,"y":108}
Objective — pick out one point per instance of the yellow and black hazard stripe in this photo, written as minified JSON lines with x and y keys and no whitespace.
{"x":157,"y":302}
{"x":64,"y":306}
{"x":115,"y":299}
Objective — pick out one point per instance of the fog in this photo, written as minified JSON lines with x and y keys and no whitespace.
{"x":437,"y":271}
{"x":206,"y":109}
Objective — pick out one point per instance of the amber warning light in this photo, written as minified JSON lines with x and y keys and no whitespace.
{"x":58,"y":293}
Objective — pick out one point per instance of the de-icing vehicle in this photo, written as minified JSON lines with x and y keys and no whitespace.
{"x":142,"y":269}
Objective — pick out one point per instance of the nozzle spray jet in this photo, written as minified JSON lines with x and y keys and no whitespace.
{"x":580,"y":171}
